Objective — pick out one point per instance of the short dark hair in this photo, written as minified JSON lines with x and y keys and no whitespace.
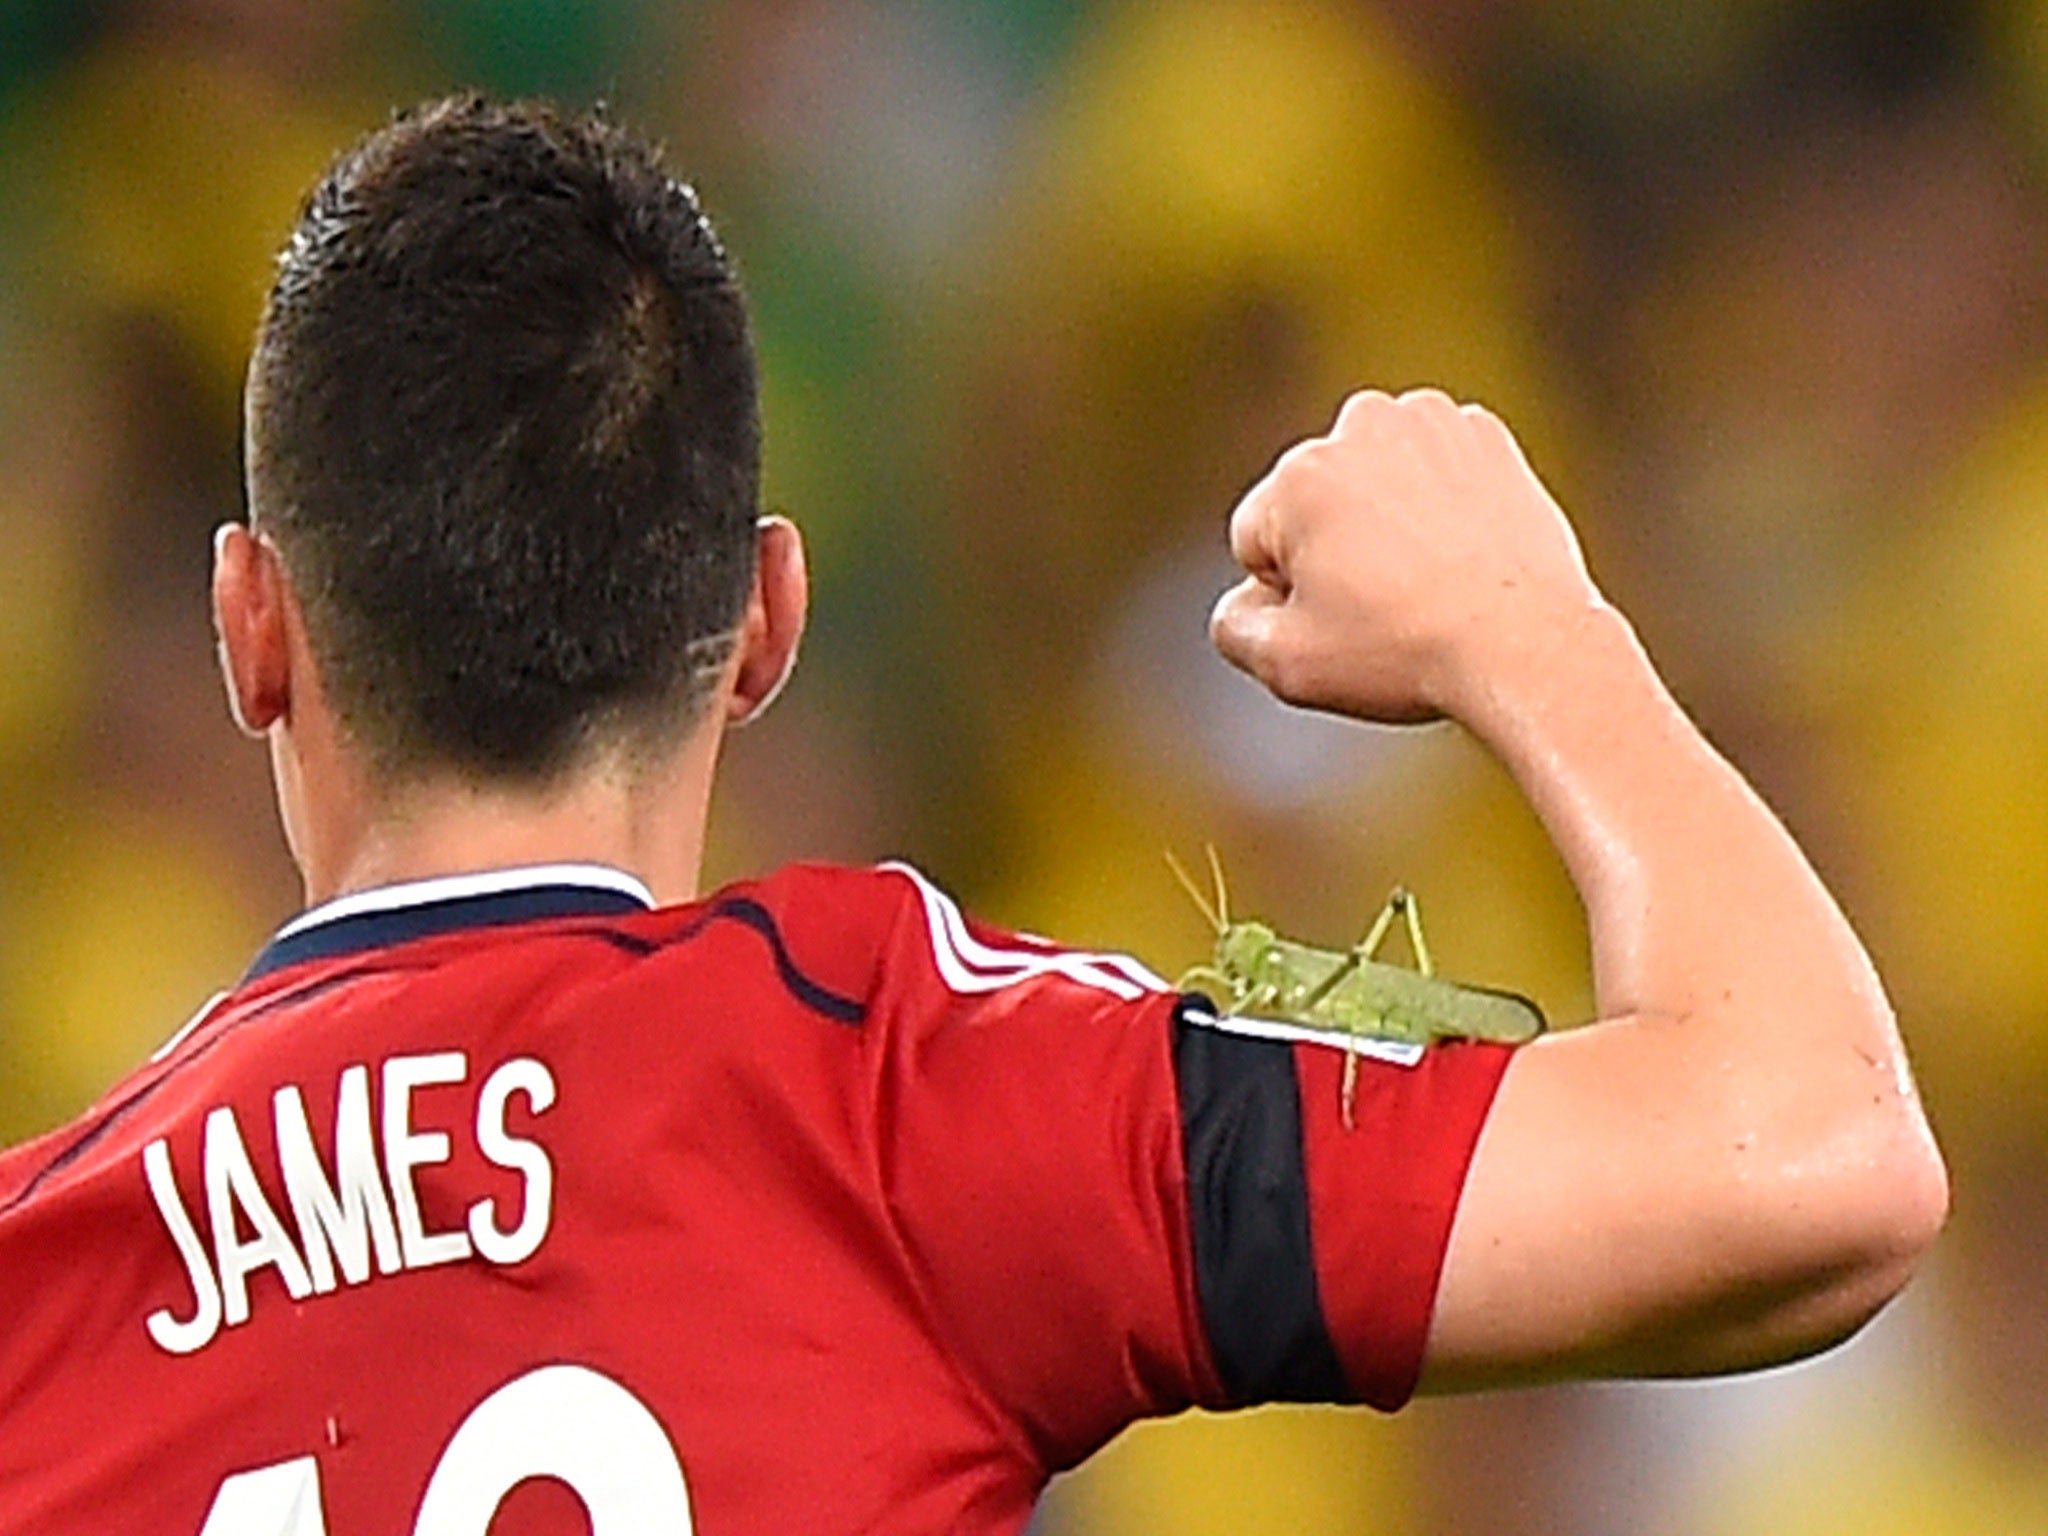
{"x":503,"y":422}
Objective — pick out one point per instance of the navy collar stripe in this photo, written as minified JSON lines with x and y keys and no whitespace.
{"x":356,"y":932}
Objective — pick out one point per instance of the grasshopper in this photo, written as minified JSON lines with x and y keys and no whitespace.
{"x":1254,"y":972}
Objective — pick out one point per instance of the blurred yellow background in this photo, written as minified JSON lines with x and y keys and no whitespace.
{"x":1042,"y":286}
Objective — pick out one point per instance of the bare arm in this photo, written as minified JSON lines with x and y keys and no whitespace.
{"x":1732,"y":1167}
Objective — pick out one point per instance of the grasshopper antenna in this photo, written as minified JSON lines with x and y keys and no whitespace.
{"x":1222,"y":894}
{"x":1187,"y":884}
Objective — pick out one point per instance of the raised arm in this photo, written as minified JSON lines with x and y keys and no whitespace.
{"x":1731,"y":1168}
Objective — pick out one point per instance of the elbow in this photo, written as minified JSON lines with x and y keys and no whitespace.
{"x":1923,"y":1198}
{"x":1876,"y":1214}
{"x":1907,"y":1204}
{"x":1818,"y":1246}
{"x":1899,"y":1177}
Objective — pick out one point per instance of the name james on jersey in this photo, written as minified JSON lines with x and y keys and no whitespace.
{"x":360,"y":1205}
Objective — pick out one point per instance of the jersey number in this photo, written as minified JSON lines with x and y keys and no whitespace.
{"x":561,"y":1421}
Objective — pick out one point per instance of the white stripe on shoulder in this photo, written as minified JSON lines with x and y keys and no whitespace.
{"x":967,"y":965}
{"x":489,"y":882}
{"x":184,"y":1030}
{"x":1400,"y":1053}
{"x":1107,"y":971}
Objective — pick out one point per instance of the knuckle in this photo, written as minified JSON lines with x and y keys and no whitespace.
{"x":1304,"y":462}
{"x":1300,"y":453}
{"x":1360,"y":407}
{"x":1252,"y":535}
{"x":1428,"y":398}
{"x":1242,"y":522}
{"x":1480,"y":416}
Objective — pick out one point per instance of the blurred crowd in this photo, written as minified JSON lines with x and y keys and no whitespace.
{"x":1041,"y":287}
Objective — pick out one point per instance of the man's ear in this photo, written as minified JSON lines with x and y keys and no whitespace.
{"x":774,"y":621}
{"x":250,"y":623}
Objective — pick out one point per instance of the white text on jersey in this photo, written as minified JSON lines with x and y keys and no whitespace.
{"x":339,"y":1223}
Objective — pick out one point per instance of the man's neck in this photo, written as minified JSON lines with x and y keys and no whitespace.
{"x":647,"y":821}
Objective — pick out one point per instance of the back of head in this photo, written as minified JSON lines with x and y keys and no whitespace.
{"x":503,"y":424}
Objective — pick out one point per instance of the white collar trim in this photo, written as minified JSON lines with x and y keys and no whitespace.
{"x":490,"y":882}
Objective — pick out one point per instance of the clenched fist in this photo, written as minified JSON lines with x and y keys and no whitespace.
{"x":1397,"y":561}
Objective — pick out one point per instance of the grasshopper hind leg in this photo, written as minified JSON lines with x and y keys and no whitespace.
{"x":1401,"y":903}
{"x":1411,"y":910}
{"x":1363,"y":950}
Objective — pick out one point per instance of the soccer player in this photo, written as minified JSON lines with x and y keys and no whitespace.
{"x":516,"y":1175}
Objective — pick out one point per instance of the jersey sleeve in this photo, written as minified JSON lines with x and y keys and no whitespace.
{"x":1319,"y":1238}
{"x":1118,"y":1205}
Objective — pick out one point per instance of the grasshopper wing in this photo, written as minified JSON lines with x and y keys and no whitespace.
{"x":1393,"y":1002}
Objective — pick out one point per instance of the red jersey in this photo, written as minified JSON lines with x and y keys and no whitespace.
{"x":810,"y":1206}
